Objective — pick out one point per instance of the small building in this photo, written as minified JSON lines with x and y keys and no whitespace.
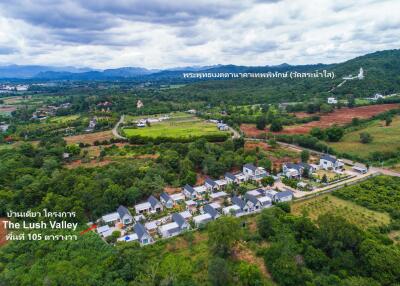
{"x":256,"y":193}
{"x":143,"y":208}
{"x":244,"y":207}
{"x":233,"y":210}
{"x":210,"y":184}
{"x":361,"y":168}
{"x":284,"y":196}
{"x":221,"y":184}
{"x":156,"y":206}
{"x":200,"y":191}
{"x":296,"y":171}
{"x":240,"y":177}
{"x":231,"y":178}
{"x":218,"y":196}
{"x":328,"y":162}
{"x":177,"y":198}
{"x":211,"y":210}
{"x":166,"y":200}
{"x":169,"y":230}
{"x":104,"y":231}
{"x":181,"y":221}
{"x":202,"y":219}
{"x":254,"y":173}
{"x":253,"y":203}
{"x":186,"y":215}
{"x":332,"y":100}
{"x":151,"y":226}
{"x":143,"y":236}
{"x":191,"y":206}
{"x":111,"y":218}
{"x":189,"y":192}
{"x":124,"y":215}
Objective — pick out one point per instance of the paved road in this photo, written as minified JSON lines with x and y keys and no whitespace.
{"x":235,"y":133}
{"x":115,"y":129}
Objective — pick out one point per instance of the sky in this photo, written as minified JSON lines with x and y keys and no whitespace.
{"x":174,"y":33}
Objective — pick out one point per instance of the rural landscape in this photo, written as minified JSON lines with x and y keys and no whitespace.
{"x":186,"y":171}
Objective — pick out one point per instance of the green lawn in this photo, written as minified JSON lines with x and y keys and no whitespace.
{"x":66,"y":118}
{"x":175,"y":129}
{"x":385,"y":138}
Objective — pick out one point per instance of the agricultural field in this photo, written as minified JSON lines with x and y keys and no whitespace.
{"x":356,"y":214}
{"x":63,"y":119}
{"x":338,"y":116}
{"x":180,"y":125}
{"x":89,"y":138}
{"x":385,"y":138}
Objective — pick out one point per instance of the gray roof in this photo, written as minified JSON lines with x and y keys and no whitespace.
{"x":251,"y":167}
{"x":283,"y":194}
{"x":122,"y":211}
{"x":230,"y":176}
{"x":238,"y":201}
{"x":153,"y":201}
{"x":329,"y":158}
{"x":211,"y":182}
{"x":210,"y":210}
{"x":179,"y":219}
{"x":140,"y":230}
{"x":189,"y":188}
{"x":251,"y":198}
{"x":165,"y":197}
{"x":297,"y":167}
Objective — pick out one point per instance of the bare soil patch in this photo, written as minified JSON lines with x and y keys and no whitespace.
{"x":89,"y":138}
{"x":339,"y":116}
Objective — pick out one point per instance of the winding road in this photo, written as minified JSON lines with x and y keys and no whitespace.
{"x":115,"y":129}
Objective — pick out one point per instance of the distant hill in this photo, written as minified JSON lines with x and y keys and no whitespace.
{"x":30,"y":71}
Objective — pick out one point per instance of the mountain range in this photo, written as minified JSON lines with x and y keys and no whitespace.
{"x":382,"y":61}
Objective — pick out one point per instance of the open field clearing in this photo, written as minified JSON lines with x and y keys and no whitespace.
{"x":89,"y":138}
{"x":385,"y":138}
{"x":339,"y":116}
{"x":175,"y":129}
{"x":63,"y":119}
{"x":355,"y":214}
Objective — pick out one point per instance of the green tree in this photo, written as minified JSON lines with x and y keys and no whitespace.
{"x":305,"y":156}
{"x":276,"y":125}
{"x":223,"y":234}
{"x":334,"y":133}
{"x":218,"y":272}
{"x":267,"y":181}
{"x":365,"y":138}
{"x":249,"y":275}
{"x":261,"y":123}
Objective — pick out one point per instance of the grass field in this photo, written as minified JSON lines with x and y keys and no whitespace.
{"x":385,"y":138}
{"x":63,"y":119}
{"x":181,"y":125}
{"x":355,"y":214}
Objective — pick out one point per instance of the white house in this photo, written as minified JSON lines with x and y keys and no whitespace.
{"x":124,"y":215}
{"x":328,"y":162}
{"x":104,"y":231}
{"x":211,"y":210}
{"x":111,"y":218}
{"x":156,"y":206}
{"x":143,"y":208}
{"x":200,"y":191}
{"x":254,"y":173}
{"x":178,"y":197}
{"x":244,"y":206}
{"x":231,"y":178}
{"x":202,"y":219}
{"x":166,"y":200}
{"x":143,"y":236}
{"x":218,"y":196}
{"x":296,"y":171}
{"x":189,"y":192}
{"x":332,"y":100}
{"x":232,"y":210}
{"x":284,"y":196}
{"x":210,"y":184}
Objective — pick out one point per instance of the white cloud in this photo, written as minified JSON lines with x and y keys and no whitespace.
{"x":159,"y":34}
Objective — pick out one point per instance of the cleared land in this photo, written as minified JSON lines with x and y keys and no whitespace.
{"x":354,"y":213}
{"x":385,"y":138}
{"x":179,"y":126}
{"x":89,"y":138}
{"x":339,"y":116}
